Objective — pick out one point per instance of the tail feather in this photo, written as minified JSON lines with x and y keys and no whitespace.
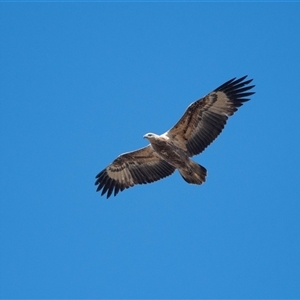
{"x":195,"y":174}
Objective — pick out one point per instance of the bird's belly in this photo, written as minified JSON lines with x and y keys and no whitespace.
{"x":174,"y":156}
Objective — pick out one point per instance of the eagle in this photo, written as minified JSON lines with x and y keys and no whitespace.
{"x":199,"y":126}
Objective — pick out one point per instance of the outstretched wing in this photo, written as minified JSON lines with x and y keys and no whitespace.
{"x":204,"y":119}
{"x":136,"y":167}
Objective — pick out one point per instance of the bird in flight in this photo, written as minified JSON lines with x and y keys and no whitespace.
{"x":201,"y":123}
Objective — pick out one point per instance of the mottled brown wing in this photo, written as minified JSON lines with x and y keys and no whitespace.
{"x":204,"y":119}
{"x":137,"y":167}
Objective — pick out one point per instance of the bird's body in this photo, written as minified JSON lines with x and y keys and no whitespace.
{"x":202,"y":122}
{"x":168,"y":151}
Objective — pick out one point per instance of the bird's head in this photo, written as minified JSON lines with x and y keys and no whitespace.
{"x":150,"y":136}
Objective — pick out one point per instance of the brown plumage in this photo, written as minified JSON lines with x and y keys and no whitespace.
{"x":201,"y":123}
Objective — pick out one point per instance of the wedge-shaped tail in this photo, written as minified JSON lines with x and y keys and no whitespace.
{"x":194,"y":173}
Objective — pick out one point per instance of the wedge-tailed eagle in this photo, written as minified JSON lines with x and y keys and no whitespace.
{"x":201,"y":123}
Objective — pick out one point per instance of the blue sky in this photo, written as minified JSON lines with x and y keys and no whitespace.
{"x":83,"y":82}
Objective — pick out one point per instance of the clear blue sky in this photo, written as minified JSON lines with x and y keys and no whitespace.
{"x":83,"y":82}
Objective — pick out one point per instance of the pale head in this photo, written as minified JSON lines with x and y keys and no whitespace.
{"x":150,"y":136}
